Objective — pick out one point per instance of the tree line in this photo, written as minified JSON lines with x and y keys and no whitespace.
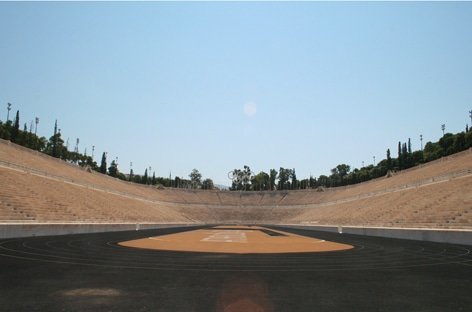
{"x":286,"y":179}
{"x":242,"y":179}
{"x":54,"y":146}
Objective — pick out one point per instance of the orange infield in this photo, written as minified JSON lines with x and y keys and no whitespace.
{"x":236,"y":239}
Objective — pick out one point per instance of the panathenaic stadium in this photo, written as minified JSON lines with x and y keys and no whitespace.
{"x":74,"y":240}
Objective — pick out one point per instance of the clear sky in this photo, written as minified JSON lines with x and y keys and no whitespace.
{"x":219,"y":85}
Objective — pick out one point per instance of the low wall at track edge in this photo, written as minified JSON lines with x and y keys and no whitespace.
{"x":462,"y":237}
{"x":14,"y":230}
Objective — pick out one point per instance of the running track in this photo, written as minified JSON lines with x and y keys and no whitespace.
{"x":92,"y":273}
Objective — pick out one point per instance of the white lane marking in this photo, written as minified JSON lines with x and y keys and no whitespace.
{"x":226,"y":236}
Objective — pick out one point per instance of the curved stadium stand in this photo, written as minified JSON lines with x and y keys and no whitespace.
{"x":38,"y":188}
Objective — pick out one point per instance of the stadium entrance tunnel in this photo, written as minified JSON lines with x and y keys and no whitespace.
{"x":236,"y":240}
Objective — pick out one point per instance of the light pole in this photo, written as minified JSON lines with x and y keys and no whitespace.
{"x":470,"y":115}
{"x":443,"y":127}
{"x":149,"y":174}
{"x":374,"y":161}
{"x":8,"y":113}
{"x":421,"y":139}
{"x":36,"y":127}
{"x":93,"y":150}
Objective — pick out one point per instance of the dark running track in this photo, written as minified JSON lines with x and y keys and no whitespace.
{"x":92,"y":273}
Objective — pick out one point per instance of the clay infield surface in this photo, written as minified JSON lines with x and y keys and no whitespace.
{"x":236,"y":240}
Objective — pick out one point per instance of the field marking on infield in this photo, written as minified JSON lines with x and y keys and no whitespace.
{"x":226,"y":236}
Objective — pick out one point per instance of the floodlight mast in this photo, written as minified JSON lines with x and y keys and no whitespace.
{"x":470,"y":115}
{"x":36,"y":128}
{"x":8,"y":113}
{"x":443,"y":127}
{"x":421,"y":139}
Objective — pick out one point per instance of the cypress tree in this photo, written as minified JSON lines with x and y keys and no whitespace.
{"x":17,"y":120}
{"x":294,"y":180}
{"x":131,"y":175}
{"x":400,"y":163}
{"x":16,"y":128}
{"x":389,"y":160}
{"x":103,"y":165}
{"x":405,"y":156}
{"x":145,"y":177}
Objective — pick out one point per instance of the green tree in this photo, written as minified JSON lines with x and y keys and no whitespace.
{"x":16,"y":128}
{"x":272,"y":178}
{"x":177,"y":182}
{"x":103,"y":164}
{"x":468,"y":139}
{"x":400,"y":158}
{"x":55,"y":144}
{"x":236,"y":182}
{"x":113,"y":169}
{"x":338,"y":174}
{"x":195,"y":179}
{"x":246,"y":178}
{"x":5,"y":130}
{"x":284,"y":178}
{"x":343,"y":170}
{"x":432,"y":151}
{"x":207,"y":184}
{"x":145,"y":177}
{"x":447,"y":142}
{"x":304,"y":184}
{"x":55,"y":147}
{"x":417,"y":158}
{"x":389,"y":160}
{"x":404,"y":156}
{"x":459,"y":143}
{"x":130,"y":178}
{"x":295,"y":182}
{"x":323,"y":180}
{"x":312,"y":182}
{"x":261,"y":181}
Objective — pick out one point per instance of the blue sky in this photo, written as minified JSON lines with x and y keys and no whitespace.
{"x":219,"y":85}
